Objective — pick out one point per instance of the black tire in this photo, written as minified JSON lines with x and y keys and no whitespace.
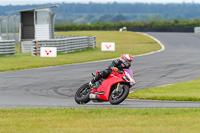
{"x":119,"y":97}
{"x":82,"y":94}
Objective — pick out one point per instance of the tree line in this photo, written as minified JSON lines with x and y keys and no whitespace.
{"x":130,"y":25}
{"x":114,"y":12}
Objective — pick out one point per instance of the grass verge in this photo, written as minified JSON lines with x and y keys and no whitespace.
{"x":99,"y":120}
{"x":185,"y":91}
{"x":126,"y":42}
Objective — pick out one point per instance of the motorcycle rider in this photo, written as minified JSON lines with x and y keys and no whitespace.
{"x":124,"y":62}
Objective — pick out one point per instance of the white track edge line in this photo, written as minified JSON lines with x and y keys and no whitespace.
{"x":162,"y":48}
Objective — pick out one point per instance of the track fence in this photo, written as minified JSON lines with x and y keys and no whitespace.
{"x":9,"y":27}
{"x":9,"y":34}
{"x":64,"y":44}
{"x":7,"y":47}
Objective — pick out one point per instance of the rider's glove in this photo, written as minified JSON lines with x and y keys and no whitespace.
{"x":114,"y":69}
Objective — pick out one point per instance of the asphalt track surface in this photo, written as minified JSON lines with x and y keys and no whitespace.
{"x":56,"y":86}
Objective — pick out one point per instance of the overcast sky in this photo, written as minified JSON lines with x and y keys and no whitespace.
{"x":22,"y":2}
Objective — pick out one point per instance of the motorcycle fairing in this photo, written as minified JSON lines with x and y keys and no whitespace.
{"x":114,"y":78}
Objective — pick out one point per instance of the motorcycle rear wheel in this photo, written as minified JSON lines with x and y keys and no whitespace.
{"x":82,"y":94}
{"x":117,"y":98}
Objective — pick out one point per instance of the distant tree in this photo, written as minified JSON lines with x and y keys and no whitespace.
{"x":118,"y":18}
{"x":114,"y":12}
{"x":105,"y":18}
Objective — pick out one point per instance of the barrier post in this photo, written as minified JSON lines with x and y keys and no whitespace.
{"x":36,"y":48}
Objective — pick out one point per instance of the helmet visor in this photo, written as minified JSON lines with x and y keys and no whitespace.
{"x":126,"y":63}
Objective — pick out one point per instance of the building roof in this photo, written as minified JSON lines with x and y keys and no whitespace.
{"x":33,"y":9}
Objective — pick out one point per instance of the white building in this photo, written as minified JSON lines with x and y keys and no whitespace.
{"x":37,"y":23}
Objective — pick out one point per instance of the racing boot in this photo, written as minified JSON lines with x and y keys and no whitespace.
{"x":92,"y":82}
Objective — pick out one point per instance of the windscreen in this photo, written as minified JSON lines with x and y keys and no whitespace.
{"x":129,"y":72}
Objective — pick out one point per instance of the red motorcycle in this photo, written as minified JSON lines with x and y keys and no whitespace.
{"x":114,"y":89}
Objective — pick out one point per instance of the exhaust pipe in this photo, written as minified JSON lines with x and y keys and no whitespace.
{"x":93,"y":96}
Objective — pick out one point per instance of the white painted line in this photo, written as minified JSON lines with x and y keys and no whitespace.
{"x":156,"y":86}
{"x":162,"y":48}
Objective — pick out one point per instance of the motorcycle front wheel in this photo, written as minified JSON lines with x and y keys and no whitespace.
{"x":82,"y":94}
{"x":119,"y":95}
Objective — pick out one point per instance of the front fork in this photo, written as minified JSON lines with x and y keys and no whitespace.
{"x":116,"y":91}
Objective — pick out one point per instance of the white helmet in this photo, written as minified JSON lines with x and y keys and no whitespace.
{"x":126,"y":59}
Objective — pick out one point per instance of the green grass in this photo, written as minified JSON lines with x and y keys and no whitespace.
{"x":126,"y":42}
{"x":99,"y":120}
{"x":46,"y":120}
{"x":185,"y":91}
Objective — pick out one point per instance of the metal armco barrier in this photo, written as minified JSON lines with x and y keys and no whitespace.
{"x":7,"y":47}
{"x":64,"y":44}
